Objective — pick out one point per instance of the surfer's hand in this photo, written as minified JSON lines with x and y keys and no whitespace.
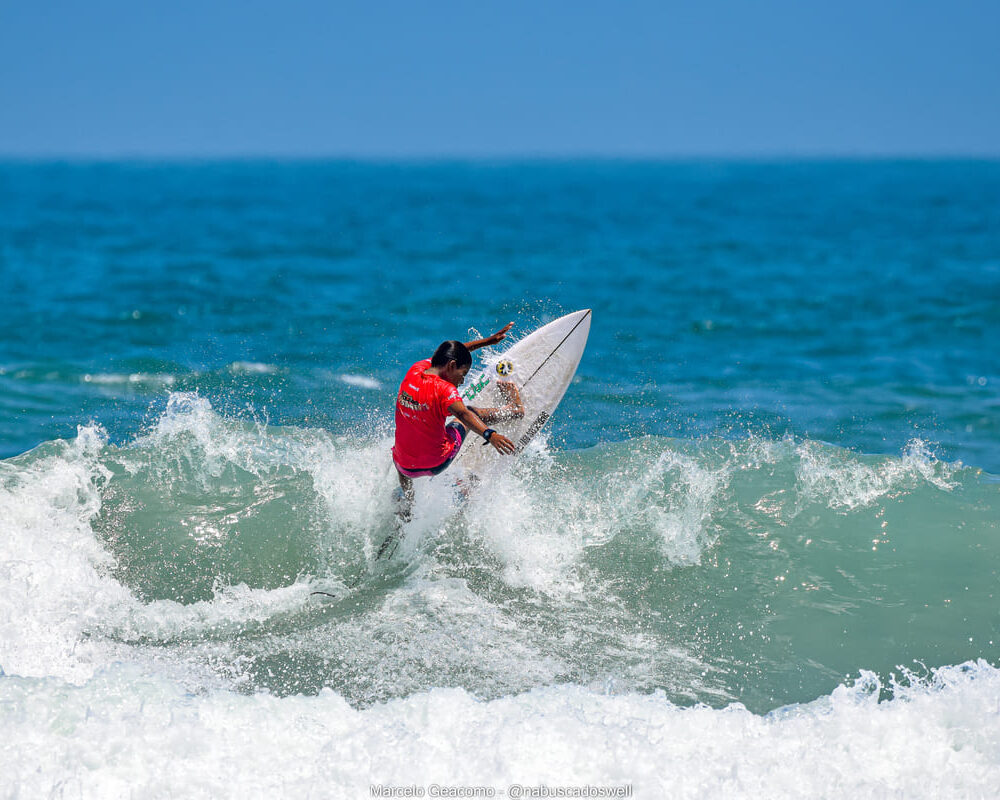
{"x":499,"y":336}
{"x":502,"y":444}
{"x":492,"y":339}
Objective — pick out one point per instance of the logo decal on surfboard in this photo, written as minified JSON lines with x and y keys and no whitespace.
{"x":529,"y":434}
{"x":480,"y":383}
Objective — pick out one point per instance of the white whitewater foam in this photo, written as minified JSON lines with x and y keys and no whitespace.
{"x":126,"y":734}
{"x":540,"y":535}
{"x":515,"y":519}
{"x":843,"y":480}
{"x":53,"y":585}
{"x":231,"y":608}
{"x":672,"y":496}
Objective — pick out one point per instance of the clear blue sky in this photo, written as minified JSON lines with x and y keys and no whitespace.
{"x":482,"y":78}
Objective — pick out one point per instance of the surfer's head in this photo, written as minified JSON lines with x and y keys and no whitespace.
{"x":452,"y":351}
{"x":452,"y":361}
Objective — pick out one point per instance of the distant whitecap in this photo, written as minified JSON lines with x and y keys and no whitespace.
{"x":363,"y":381}
{"x":252,"y":368}
{"x":134,"y":378}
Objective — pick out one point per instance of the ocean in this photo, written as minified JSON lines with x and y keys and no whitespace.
{"x":754,"y":553}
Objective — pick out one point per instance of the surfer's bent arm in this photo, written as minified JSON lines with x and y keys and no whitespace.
{"x":473,"y":422}
{"x":513,"y":410}
{"x":492,"y":339}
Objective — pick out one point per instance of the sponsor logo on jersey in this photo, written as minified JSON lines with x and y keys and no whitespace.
{"x":408,"y":402}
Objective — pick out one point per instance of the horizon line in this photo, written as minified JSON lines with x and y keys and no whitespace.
{"x":485,"y":157}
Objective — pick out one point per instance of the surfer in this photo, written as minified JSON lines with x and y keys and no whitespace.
{"x":425,"y":443}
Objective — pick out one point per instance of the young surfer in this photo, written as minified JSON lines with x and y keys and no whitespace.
{"x":425,"y":443}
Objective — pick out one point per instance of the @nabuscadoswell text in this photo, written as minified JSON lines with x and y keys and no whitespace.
{"x":515,"y":791}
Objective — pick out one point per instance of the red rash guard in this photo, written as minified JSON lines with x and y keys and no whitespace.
{"x":421,"y":410}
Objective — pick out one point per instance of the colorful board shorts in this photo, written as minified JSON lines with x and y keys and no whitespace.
{"x":456,"y":433}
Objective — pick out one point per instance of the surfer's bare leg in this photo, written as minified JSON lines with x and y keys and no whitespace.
{"x":403,"y":497}
{"x":404,"y":504}
{"x":406,"y":484}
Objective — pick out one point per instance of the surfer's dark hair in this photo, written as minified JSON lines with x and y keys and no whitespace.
{"x":452,"y":350}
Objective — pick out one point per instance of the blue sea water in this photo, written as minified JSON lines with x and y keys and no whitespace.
{"x":765,"y":521}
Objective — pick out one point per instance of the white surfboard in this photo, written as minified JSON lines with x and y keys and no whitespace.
{"x":541,"y":365}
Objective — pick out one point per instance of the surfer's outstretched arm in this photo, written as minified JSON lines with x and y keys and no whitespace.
{"x":492,"y":339}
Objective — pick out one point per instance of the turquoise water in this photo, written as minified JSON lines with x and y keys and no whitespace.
{"x":769,"y":496}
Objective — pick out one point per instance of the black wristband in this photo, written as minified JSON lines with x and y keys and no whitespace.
{"x":488,"y":433}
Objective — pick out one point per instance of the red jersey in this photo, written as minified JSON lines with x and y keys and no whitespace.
{"x":421,"y":410}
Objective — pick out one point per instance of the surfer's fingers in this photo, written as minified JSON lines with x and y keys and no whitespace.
{"x":502,"y":444}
